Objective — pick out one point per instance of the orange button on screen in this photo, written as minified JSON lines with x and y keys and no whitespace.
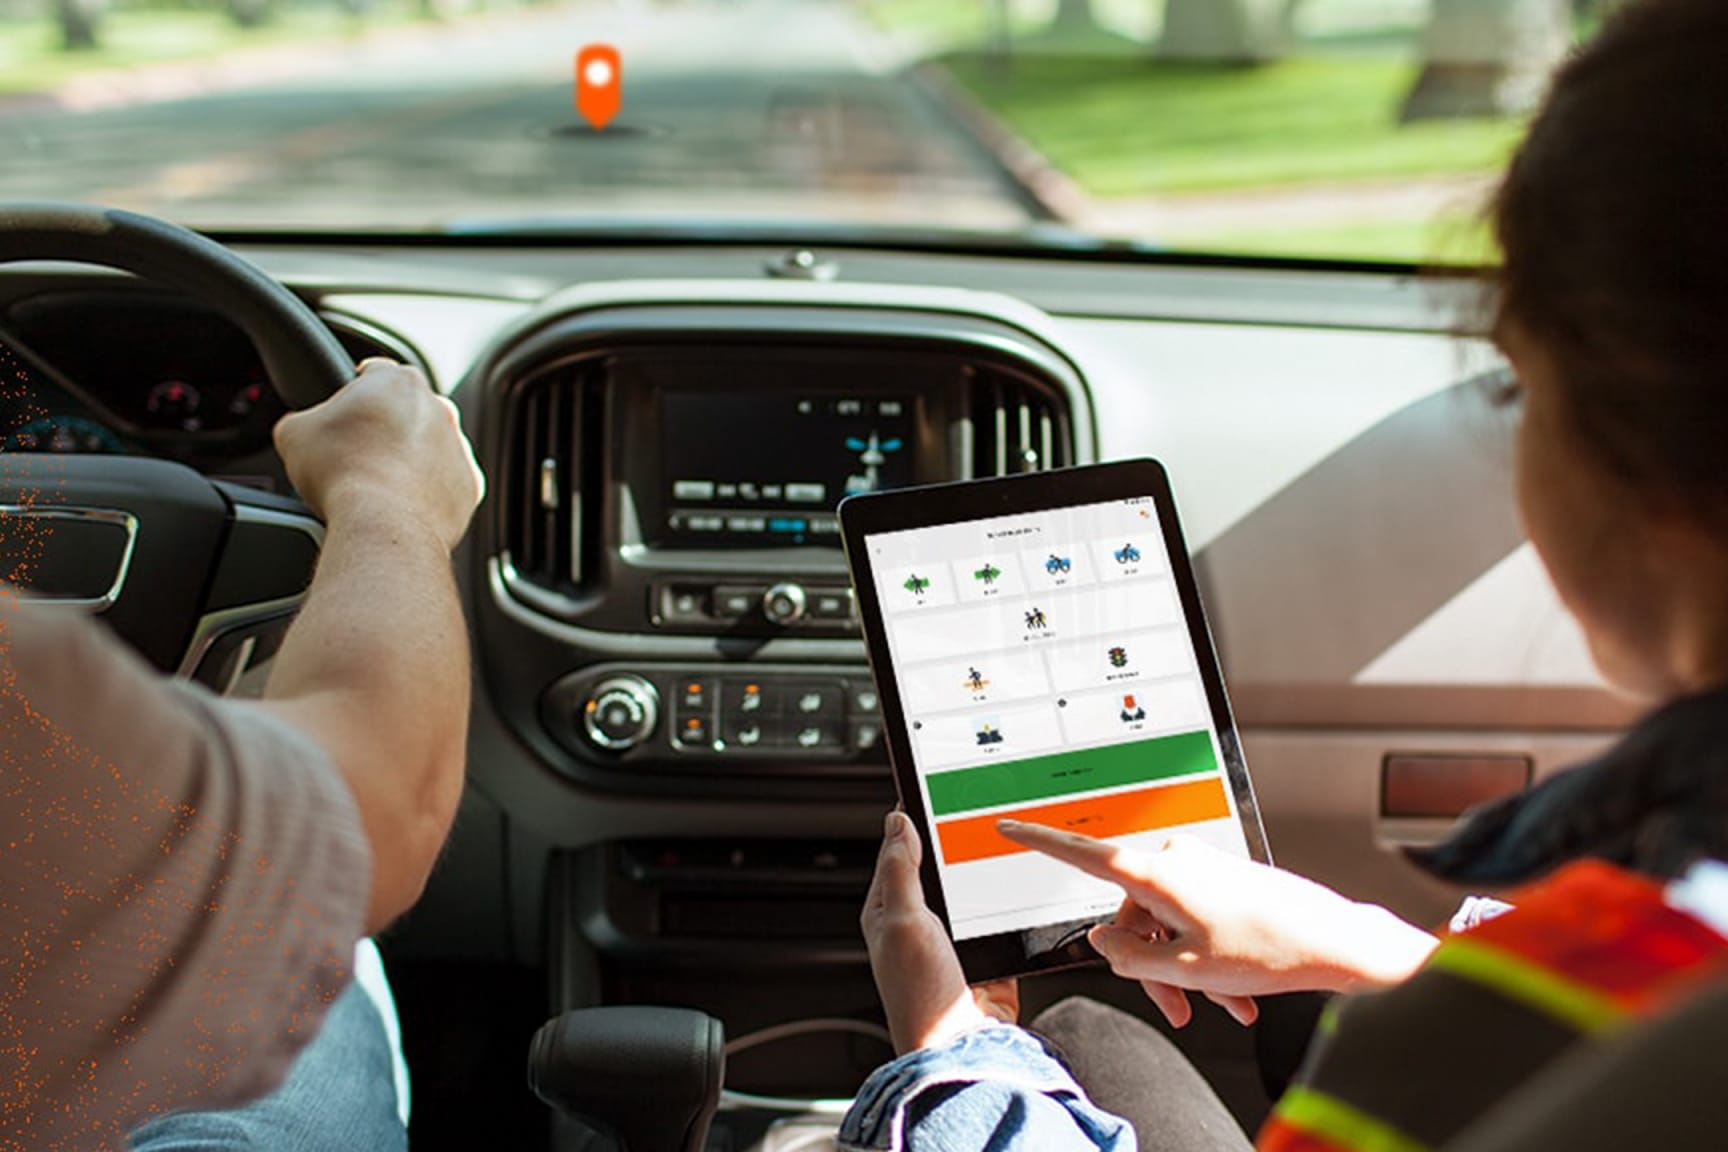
{"x":1121,"y":814}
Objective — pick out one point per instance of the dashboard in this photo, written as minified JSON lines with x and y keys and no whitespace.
{"x":675,"y":767}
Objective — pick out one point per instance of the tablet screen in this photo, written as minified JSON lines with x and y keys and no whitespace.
{"x":1047,"y":675}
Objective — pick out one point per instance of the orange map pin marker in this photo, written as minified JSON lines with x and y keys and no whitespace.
{"x":599,"y":84}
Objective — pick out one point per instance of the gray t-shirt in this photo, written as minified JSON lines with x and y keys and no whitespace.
{"x":182,"y":882}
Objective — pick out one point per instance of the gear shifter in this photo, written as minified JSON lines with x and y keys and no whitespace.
{"x":649,"y":1075}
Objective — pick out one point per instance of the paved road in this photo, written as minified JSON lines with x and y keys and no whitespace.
{"x":772,"y":109}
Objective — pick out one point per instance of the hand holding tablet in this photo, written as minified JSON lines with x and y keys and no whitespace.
{"x":1041,"y":656}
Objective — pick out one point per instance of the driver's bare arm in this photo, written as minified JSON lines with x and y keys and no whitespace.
{"x":376,"y":668}
{"x":1197,"y":919}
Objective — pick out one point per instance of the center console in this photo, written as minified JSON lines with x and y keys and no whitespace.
{"x":666,"y":549}
{"x":665,"y":623}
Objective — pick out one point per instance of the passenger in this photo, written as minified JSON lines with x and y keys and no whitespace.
{"x":1611,"y":307}
{"x":185,"y":878}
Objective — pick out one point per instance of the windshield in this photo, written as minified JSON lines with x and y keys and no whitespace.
{"x":1366,"y":129}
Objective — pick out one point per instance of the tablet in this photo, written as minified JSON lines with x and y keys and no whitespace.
{"x":1041,"y":654}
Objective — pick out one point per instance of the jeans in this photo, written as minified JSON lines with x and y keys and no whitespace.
{"x":341,"y":1095}
{"x":1003,"y":1089}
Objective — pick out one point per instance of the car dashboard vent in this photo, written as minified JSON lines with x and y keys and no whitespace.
{"x":552,"y":477}
{"x":1017,"y":425}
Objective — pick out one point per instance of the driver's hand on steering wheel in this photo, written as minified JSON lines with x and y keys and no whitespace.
{"x":386,"y":438}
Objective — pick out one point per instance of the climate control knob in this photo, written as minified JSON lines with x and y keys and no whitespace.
{"x":784,"y":603}
{"x":621,"y":712}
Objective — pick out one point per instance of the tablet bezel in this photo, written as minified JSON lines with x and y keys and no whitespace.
{"x":1007,"y":954}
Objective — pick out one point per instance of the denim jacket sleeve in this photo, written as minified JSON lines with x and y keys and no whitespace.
{"x":997,"y":1087}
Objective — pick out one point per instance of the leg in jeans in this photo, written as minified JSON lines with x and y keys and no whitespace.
{"x":1131,"y":1069}
{"x":340,"y":1096}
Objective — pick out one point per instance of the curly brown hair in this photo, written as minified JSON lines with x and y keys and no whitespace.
{"x":1613,"y":224}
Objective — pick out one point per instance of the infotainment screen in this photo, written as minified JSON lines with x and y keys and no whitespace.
{"x":773,"y":463}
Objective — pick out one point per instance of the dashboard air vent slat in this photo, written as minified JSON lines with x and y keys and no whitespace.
{"x":1016,"y":425}
{"x":544,"y":515}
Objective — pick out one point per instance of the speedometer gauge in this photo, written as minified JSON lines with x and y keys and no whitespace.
{"x":174,"y":404}
{"x":64,"y":434}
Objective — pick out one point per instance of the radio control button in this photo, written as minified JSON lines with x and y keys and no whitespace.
{"x":732,"y":602}
{"x":831,"y":604}
{"x":784,"y":603}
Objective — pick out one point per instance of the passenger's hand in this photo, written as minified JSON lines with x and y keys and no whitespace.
{"x":917,"y":973}
{"x":388,"y":438}
{"x":1201,"y":920}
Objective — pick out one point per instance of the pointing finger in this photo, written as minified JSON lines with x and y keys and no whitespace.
{"x":1131,"y":870}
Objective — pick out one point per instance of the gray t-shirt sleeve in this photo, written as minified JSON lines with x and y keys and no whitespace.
{"x":182,"y":882}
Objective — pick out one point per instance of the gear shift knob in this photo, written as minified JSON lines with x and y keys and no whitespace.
{"x":649,"y":1075}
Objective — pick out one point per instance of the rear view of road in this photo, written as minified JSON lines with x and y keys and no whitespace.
{"x":778,"y":110}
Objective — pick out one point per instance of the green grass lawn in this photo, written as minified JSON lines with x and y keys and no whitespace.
{"x":31,"y":59}
{"x":1133,"y":127}
{"x":1454,"y":239}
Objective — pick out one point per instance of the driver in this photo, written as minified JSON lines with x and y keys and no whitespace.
{"x":183,"y":878}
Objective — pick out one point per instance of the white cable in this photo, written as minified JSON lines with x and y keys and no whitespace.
{"x":806,"y":1028}
{"x":820,"y":1107}
{"x":732,"y":1101}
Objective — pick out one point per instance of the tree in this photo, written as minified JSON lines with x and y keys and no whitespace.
{"x":1226,"y":31}
{"x":1074,"y":15}
{"x":80,"y":23}
{"x":1488,"y":57}
{"x":249,"y":13}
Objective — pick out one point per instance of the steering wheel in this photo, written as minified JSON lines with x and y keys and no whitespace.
{"x":195,"y":574}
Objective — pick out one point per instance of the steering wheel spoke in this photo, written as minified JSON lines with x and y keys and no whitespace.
{"x":257,"y":586}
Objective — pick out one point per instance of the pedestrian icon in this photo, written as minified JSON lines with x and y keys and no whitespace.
{"x":1131,"y":710}
{"x":1036,"y":620}
{"x":916,"y":584}
{"x":988,"y":575}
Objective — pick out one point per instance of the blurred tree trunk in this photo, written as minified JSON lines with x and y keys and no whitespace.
{"x":1226,"y":31}
{"x":999,"y":34}
{"x":1074,"y":15}
{"x":249,"y":13}
{"x":1488,"y":57}
{"x":80,"y":23}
